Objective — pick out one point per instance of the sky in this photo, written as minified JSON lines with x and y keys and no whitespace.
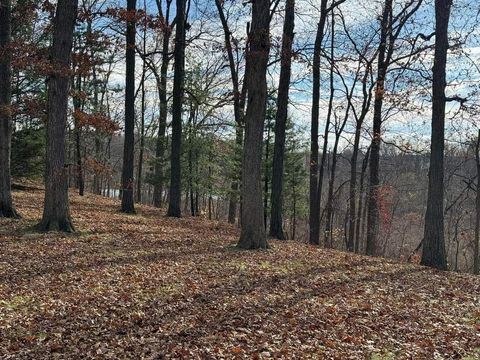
{"x":362,"y":20}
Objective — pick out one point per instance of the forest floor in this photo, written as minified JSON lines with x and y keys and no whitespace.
{"x":145,"y":286}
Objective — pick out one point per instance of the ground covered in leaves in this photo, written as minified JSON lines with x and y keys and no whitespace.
{"x":144,"y":286}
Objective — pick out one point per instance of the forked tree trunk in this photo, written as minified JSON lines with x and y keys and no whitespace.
{"x":129,"y":144}
{"x":6,"y":203}
{"x":434,"y":254}
{"x":56,"y":212}
{"x":253,"y":234}
{"x":276,"y":220}
{"x":174,"y":205}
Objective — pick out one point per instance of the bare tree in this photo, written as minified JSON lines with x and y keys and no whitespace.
{"x":276,"y":220}
{"x":316,"y":179}
{"x":174,"y":205}
{"x":391,"y":28}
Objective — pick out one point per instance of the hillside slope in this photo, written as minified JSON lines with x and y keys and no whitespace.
{"x":144,"y":286}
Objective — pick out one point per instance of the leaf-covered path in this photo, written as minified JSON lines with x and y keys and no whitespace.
{"x":144,"y":286}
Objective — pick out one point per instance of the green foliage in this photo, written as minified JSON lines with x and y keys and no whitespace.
{"x":28,"y":153}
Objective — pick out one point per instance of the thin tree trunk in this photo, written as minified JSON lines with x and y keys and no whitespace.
{"x":142,"y":120}
{"x":276,"y":220}
{"x":56,"y":212}
{"x":174,"y":206}
{"x":253,"y":234}
{"x":476,"y":255}
{"x":352,"y":211}
{"x":160,"y":144}
{"x":7,"y":208}
{"x":374,"y":166}
{"x":238,"y":109}
{"x":129,"y":145}
{"x":232,"y":206}
{"x":315,"y":192}
{"x":266,"y":177}
{"x":80,"y":180}
{"x":434,"y":254}
{"x":359,"y":231}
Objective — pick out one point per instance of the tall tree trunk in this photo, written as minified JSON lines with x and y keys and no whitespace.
{"x":142,"y":120}
{"x":238,"y":110}
{"x":266,"y":176}
{"x":352,"y":200}
{"x":162,"y":124}
{"x":80,"y":179}
{"x":434,"y":254}
{"x":276,"y":220}
{"x":476,"y":255}
{"x":253,"y":234}
{"x":232,"y":205}
{"x":352,"y":243}
{"x":7,"y":208}
{"x":174,"y":206}
{"x":374,"y":166}
{"x":360,"y":216}
{"x":56,"y":212}
{"x":315,"y":192}
{"x":331,"y":184}
{"x":129,"y":145}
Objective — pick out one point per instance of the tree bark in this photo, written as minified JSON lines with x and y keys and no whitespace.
{"x":7,"y":208}
{"x":162,"y":124}
{"x":374,"y":165}
{"x":174,"y":205}
{"x":129,"y":144}
{"x":238,"y":110}
{"x":56,"y":212}
{"x":434,"y":254}
{"x":142,"y":119}
{"x":476,"y":255}
{"x":315,"y":192}
{"x":253,"y":234}
{"x":276,"y":220}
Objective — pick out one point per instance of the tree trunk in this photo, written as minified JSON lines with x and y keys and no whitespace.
{"x":56,"y":212}
{"x":6,"y":203}
{"x":359,"y":231}
{"x":374,"y":166}
{"x":352,"y":201}
{"x":80,"y":180}
{"x":434,"y":254}
{"x":476,"y":255}
{"x":253,"y":234}
{"x":129,"y":145}
{"x":266,"y":177}
{"x":238,"y":110}
{"x":276,"y":221}
{"x":142,"y":128}
{"x":174,"y":206}
{"x":315,"y":192}
{"x":232,"y":206}
{"x":162,"y":124}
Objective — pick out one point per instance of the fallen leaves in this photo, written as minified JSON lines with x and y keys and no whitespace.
{"x":151,"y":287}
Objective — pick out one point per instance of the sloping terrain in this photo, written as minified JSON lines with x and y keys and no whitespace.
{"x":144,"y":286}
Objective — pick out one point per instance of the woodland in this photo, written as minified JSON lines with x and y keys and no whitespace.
{"x":184,"y":179}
